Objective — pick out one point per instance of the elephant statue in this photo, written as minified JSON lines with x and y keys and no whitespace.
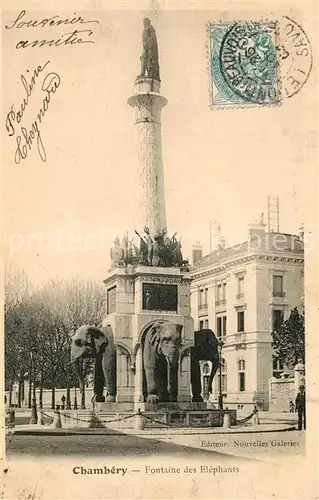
{"x":97,"y":343}
{"x":161,"y":348}
{"x":205,"y":349}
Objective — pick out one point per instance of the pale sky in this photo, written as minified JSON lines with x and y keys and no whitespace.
{"x":218,"y":164}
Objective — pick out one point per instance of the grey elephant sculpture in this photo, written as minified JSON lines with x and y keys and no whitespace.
{"x":160,"y":361}
{"x":205,"y":349}
{"x":97,"y":343}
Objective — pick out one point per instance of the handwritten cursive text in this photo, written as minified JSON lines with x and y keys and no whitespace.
{"x":65,"y":39}
{"x":46,"y":22}
{"x":80,"y":35}
{"x":25,"y":137}
{"x":16,"y":116}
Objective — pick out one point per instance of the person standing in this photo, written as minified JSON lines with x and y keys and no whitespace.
{"x":149,"y":58}
{"x":148,"y":300}
{"x":149,"y":242}
{"x":63,"y":402}
{"x":301,"y":407}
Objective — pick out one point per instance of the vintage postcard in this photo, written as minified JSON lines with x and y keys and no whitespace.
{"x":160,"y":250}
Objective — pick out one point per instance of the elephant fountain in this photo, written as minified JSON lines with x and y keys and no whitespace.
{"x":92,"y":342}
{"x":205,"y":349}
{"x":160,"y":362}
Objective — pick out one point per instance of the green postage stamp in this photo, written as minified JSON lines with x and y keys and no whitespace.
{"x":243,"y":64}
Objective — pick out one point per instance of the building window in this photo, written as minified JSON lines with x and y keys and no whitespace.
{"x":221,"y":294}
{"x":202,"y":298}
{"x":278,"y":286}
{"x":277,"y":367}
{"x":241,"y":381}
{"x":240,"y":288}
{"x":241,"y":365}
{"x":224,"y":325}
{"x":205,"y":382}
{"x":221,"y":326}
{"x":240,"y":321}
{"x":224,"y":377}
{"x":203,"y":323}
{"x":241,"y":375}
{"x":277,"y":319}
{"x":224,"y":291}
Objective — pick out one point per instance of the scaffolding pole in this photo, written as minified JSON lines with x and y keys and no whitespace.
{"x":273,"y":214}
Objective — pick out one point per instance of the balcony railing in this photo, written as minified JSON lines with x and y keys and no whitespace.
{"x":221,"y":302}
{"x":278,"y":294}
{"x":202,"y":306}
{"x":221,"y":336}
{"x":240,"y":337}
{"x":239,"y":296}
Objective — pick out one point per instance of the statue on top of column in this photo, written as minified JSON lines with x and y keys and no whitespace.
{"x":149,"y":58}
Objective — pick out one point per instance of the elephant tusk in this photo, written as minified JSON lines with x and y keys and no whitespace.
{"x":168,"y":376}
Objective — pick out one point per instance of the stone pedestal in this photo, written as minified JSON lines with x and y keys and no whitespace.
{"x":159,"y":415}
{"x":129,"y":317}
{"x":165,"y":416}
{"x":169,"y":407}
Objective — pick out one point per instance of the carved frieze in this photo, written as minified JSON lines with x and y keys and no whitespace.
{"x":159,"y":279}
{"x":159,"y":297}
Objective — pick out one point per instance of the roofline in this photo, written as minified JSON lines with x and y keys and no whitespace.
{"x":249,"y":257}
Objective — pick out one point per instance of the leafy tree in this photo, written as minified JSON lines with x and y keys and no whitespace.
{"x":82,"y":302}
{"x":72,"y":304}
{"x":289,"y":340}
{"x":18,"y":291}
{"x":44,"y":320}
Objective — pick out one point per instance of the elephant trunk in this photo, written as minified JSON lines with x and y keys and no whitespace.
{"x":78,"y":370}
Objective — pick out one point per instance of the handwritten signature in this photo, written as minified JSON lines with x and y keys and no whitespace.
{"x":25,"y":138}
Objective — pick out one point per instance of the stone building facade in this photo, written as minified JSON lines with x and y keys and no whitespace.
{"x":241,"y":293}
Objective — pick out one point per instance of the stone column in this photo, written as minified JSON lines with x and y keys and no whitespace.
{"x":184,"y":380}
{"x":124,"y":387}
{"x":138,"y":379}
{"x":148,"y":104}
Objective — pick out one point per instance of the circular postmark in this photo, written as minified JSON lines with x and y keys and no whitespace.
{"x":295,"y":54}
{"x":248,"y":62}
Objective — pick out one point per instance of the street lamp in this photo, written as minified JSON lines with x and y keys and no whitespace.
{"x":20,"y":378}
{"x":75,"y":398}
{"x":220,"y":392}
{"x":34,"y":416}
